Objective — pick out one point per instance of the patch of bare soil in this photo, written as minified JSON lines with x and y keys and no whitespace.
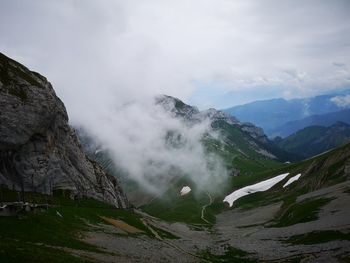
{"x":122,"y":225}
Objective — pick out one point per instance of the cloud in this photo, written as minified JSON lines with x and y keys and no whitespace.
{"x":340,"y":65}
{"x":153,"y":147}
{"x":104,"y":56}
{"x":341,"y":101}
{"x":127,"y":49}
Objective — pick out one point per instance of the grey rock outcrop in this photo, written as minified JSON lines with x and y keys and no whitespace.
{"x":39,"y":151}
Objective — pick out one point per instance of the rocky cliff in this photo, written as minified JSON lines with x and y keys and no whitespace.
{"x":39,"y":151}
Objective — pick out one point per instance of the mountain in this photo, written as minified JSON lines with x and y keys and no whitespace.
{"x":302,"y":221}
{"x":280,"y":224}
{"x":302,"y":217}
{"x":273,"y":113}
{"x":243,"y":147}
{"x":245,"y":137}
{"x":314,"y":140}
{"x":322,"y":120}
{"x":39,"y":151}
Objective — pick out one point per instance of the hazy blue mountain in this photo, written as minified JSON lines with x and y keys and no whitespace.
{"x":273,"y":113}
{"x":314,"y":140}
{"x":322,"y":120}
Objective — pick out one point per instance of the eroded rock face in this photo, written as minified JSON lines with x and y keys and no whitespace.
{"x":39,"y":151}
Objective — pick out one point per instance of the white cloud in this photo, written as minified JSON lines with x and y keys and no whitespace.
{"x":127,"y":49}
{"x":103,"y":55}
{"x":137,"y":136}
{"x":341,"y":101}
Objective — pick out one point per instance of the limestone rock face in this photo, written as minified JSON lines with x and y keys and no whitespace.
{"x":39,"y":151}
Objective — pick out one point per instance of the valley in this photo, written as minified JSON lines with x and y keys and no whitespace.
{"x":301,"y":222}
{"x":237,"y":197}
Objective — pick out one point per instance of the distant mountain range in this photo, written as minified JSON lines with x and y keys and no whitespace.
{"x":321,"y":120}
{"x":314,"y":140}
{"x":272,"y":115}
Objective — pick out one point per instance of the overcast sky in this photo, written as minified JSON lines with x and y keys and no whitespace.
{"x":202,"y":51}
{"x":106,"y":59}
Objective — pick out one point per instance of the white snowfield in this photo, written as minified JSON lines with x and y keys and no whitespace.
{"x":185,"y":190}
{"x":258,"y":187}
{"x":291,"y":180}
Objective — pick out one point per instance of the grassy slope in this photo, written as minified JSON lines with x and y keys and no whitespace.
{"x":238,"y":150}
{"x":175,"y":208}
{"x":318,"y":172}
{"x":171,"y":207}
{"x":302,"y":137}
{"x":317,"y":237}
{"x":236,"y":153}
{"x":43,"y":231}
{"x":315,"y":139}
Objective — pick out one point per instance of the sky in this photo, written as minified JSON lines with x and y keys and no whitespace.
{"x":208,"y":53}
{"x":108,"y":59}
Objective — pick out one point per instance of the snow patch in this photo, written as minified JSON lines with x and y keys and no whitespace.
{"x":185,"y":190}
{"x":291,"y":180}
{"x":258,"y":187}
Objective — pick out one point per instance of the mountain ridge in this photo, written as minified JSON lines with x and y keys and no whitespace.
{"x":314,"y":140}
{"x":322,"y":120}
{"x":270,"y":114}
{"x":39,"y":151}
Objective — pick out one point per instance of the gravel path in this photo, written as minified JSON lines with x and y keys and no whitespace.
{"x":205,"y":206}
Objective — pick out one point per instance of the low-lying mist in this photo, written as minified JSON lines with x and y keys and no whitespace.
{"x":153,"y":146}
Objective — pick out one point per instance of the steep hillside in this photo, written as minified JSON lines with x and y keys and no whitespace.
{"x":270,"y":114}
{"x":321,"y":120}
{"x":322,"y":171}
{"x":39,"y":151}
{"x":305,"y":220}
{"x":244,"y":140}
{"x":314,"y":140}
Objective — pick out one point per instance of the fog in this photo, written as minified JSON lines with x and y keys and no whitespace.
{"x":108,"y":59}
{"x":151,"y":145}
{"x":341,"y":101}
